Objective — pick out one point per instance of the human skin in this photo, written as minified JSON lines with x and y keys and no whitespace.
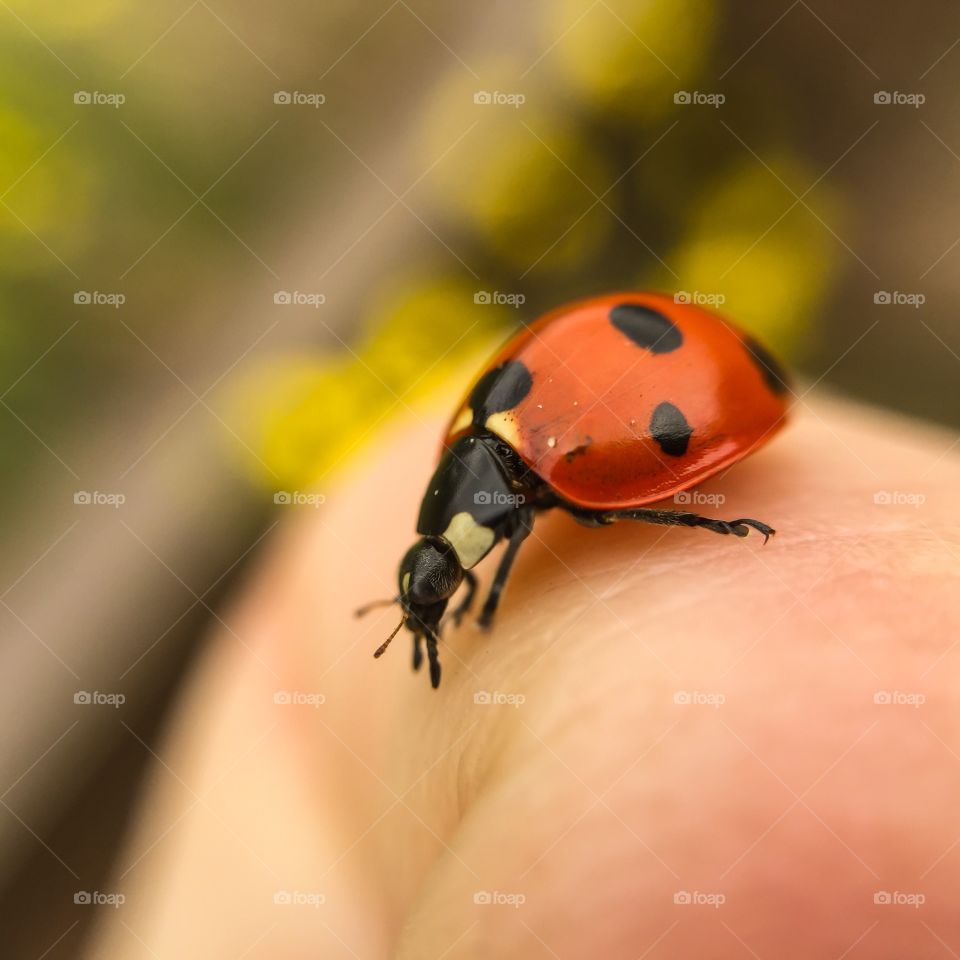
{"x":698,"y":716}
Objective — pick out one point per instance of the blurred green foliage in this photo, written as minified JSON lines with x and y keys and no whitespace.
{"x":597,"y":180}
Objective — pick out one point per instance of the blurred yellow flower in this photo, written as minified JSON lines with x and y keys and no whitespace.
{"x":47,"y":195}
{"x":629,"y":56}
{"x":314,"y":415}
{"x":770,"y":266}
{"x":519,"y":175}
{"x":419,"y":328}
{"x":55,"y":16}
{"x":302,"y":417}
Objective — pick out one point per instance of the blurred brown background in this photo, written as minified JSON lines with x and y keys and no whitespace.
{"x":237,"y":238}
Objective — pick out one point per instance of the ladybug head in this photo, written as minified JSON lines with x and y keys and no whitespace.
{"x":429,"y":575}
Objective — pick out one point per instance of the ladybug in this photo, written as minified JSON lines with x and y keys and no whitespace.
{"x":599,"y":408}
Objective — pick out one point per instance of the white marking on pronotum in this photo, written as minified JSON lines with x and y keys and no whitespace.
{"x":470,"y":540}
{"x":504,"y":425}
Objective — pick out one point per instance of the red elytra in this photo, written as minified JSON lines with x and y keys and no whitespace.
{"x":584,"y":426}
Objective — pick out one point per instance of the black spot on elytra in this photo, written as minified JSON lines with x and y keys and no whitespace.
{"x":669,"y":427}
{"x":577,"y":451}
{"x":501,"y":388}
{"x":773,"y":374}
{"x":646,"y":327}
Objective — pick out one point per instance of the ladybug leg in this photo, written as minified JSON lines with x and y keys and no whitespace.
{"x":463,"y":607}
{"x":433,"y":655}
{"x":417,"y":652}
{"x":738,"y":528}
{"x":520,"y":534}
{"x":434,"y":659}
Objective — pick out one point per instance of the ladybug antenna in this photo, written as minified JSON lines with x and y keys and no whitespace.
{"x":373,"y":604}
{"x":386,"y":643}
